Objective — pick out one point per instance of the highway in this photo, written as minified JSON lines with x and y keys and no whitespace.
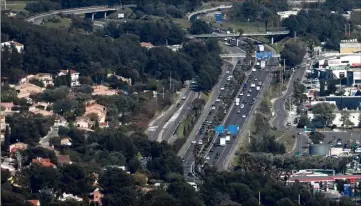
{"x":217,"y":155}
{"x":166,"y":124}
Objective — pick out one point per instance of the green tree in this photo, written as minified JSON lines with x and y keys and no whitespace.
{"x":293,"y":52}
{"x":331,"y":88}
{"x":345,"y":119}
{"x":7,"y":138}
{"x":200,"y":27}
{"x":324,"y":113}
{"x":316,"y":137}
{"x":303,"y":121}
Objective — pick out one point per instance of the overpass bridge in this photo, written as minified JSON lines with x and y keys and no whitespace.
{"x":204,"y":11}
{"x":38,"y":19}
{"x":243,"y":55}
{"x":220,"y":35}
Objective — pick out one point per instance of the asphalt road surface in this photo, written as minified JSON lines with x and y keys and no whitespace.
{"x":237,"y":116}
{"x":158,"y":126}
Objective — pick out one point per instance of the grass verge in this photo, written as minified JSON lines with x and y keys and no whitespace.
{"x":64,"y":23}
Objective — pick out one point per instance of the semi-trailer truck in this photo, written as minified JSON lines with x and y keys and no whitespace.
{"x":222,"y":141}
{"x":263,"y":64}
{"x":237,"y":101}
{"x":260,"y":48}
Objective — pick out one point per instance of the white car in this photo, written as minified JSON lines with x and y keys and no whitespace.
{"x":208,"y":158}
{"x":241,"y":94}
{"x":218,"y":100}
{"x":248,"y":95}
{"x":184,"y":98}
{"x":222,"y":89}
{"x":253,"y":70}
{"x":227,"y":72}
{"x":242,"y":106}
{"x":213,"y":108}
{"x":200,"y":142}
{"x":193,"y":142}
{"x":244,"y":116}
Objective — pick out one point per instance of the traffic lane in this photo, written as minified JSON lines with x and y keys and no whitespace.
{"x":170,"y":129}
{"x":152,"y":135}
{"x":237,"y":119}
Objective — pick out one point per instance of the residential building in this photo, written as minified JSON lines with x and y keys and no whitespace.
{"x":2,"y":123}
{"x":286,"y":14}
{"x":19,"y":47}
{"x":103,"y":91}
{"x":41,"y":108}
{"x":65,"y":141}
{"x":46,"y":78}
{"x":127,"y":80}
{"x":66,"y":197}
{"x":83,"y":122}
{"x":147,"y":45}
{"x":350,"y":46}
{"x":17,"y":146}
{"x":96,"y":197}
{"x":63,"y":160}
{"x":99,"y":110}
{"x":74,"y":76}
{"x":34,"y":202}
{"x":26,"y":89}
{"x":44,"y":162}
{"x":7,"y":106}
{"x":60,"y":121}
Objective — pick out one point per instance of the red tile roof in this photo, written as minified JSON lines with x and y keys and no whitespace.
{"x":45,"y":162}
{"x":34,"y":202}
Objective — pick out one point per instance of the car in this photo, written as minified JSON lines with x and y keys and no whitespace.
{"x":208,"y":158}
{"x":193,"y":142}
{"x":242,"y":106}
{"x":225,"y":111}
{"x":255,"y":79}
{"x":244,"y":116}
{"x":222,"y":89}
{"x":248,"y":95}
{"x":184,"y":98}
{"x":227,"y":72}
{"x":249,"y":91}
{"x":238,"y":111}
{"x":254,"y":99}
{"x":253,"y":70}
{"x":211,"y":150}
{"x":213,"y":108}
{"x":200,"y":142}
{"x":190,"y":174}
{"x":218,"y":100}
{"x":241,"y":94}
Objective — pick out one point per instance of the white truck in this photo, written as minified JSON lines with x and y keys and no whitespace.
{"x":253,"y":85}
{"x":263,"y":64}
{"x":228,"y":138}
{"x":237,"y":101}
{"x":222,"y":141}
{"x":260,"y":48}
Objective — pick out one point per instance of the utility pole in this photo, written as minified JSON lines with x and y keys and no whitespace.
{"x":259,"y":198}
{"x":170,"y":80}
{"x":163,"y":92}
{"x":299,"y":199}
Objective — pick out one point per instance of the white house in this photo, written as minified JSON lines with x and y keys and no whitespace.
{"x":19,"y":47}
{"x":286,"y":14}
{"x":74,"y":75}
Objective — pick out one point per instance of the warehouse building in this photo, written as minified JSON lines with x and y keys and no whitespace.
{"x":350,"y":46}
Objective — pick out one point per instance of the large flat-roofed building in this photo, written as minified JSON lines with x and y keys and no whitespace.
{"x":350,"y":46}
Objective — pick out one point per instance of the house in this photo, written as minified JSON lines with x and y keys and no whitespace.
{"x":2,"y":123}
{"x":60,"y":121}
{"x":45,"y":78}
{"x":103,"y":91}
{"x":99,"y":110}
{"x":74,"y":76}
{"x":83,"y":122}
{"x":34,"y":202}
{"x":7,"y":106}
{"x":65,"y":141}
{"x":19,"y":47}
{"x":63,"y":159}
{"x":103,"y":124}
{"x":26,"y":89}
{"x":65,"y":197}
{"x":147,"y":45}
{"x":44,"y":162}
{"x":17,"y":146}
{"x":41,"y":108}
{"x":123,"y":79}
{"x":96,"y":197}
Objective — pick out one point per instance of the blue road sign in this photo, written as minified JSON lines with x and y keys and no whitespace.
{"x":263,"y":55}
{"x":219,"y":129}
{"x":233,"y":129}
{"x":347,"y":190}
{"x":245,"y":85}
